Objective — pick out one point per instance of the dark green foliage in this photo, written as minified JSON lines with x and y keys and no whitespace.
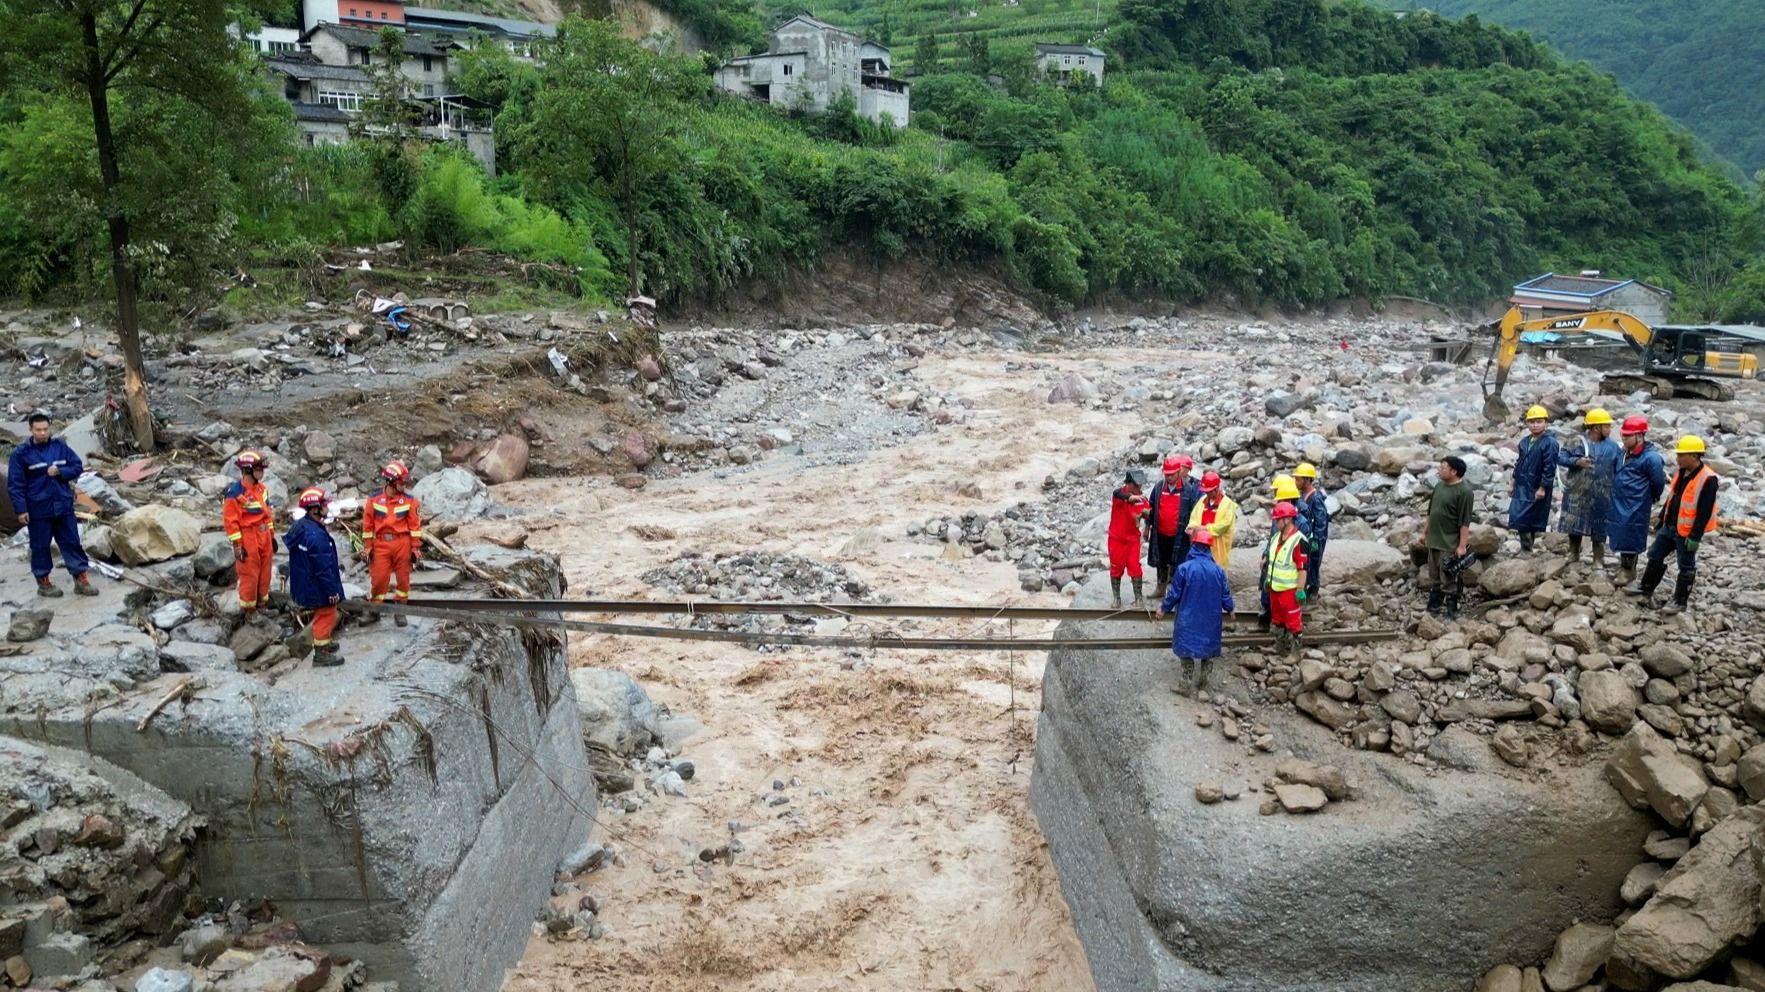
{"x":1698,"y":60}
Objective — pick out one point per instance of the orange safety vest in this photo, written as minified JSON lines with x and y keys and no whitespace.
{"x":388,"y":516}
{"x":1688,"y":500}
{"x":245,"y":507}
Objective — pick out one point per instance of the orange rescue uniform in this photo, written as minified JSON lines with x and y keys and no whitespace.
{"x":324,"y":625}
{"x":246,"y":518}
{"x":391,"y":530}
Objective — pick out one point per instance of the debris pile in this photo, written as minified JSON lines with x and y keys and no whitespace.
{"x":758,"y":575}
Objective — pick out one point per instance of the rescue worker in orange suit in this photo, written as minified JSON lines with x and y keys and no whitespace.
{"x":1284,"y":578}
{"x":1126,"y":508}
{"x":392,"y":539}
{"x":247,"y":518}
{"x":1688,"y":514}
{"x":314,"y":580}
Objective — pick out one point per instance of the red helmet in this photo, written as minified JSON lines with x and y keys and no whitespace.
{"x":1210,"y":481}
{"x":312,"y":497}
{"x":1285,"y":510}
{"x":1177,"y":463}
{"x":1203,"y":537}
{"x":248,"y":459}
{"x":395,"y":471}
{"x":1634,"y":425}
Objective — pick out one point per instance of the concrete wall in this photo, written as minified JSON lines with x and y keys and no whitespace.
{"x":1646,"y":304}
{"x":832,"y":63}
{"x":873,"y":103}
{"x":784,"y":89}
{"x":323,"y":132}
{"x":407,"y":809}
{"x":1089,"y":64}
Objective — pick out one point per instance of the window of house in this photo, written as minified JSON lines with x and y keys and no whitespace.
{"x":427,"y":67}
{"x":343,"y":100}
{"x":428,"y":89}
{"x":1066,"y":60}
{"x":787,"y":68}
{"x":1081,"y":60}
{"x":383,"y":15}
{"x":281,"y":46}
{"x":352,"y":12}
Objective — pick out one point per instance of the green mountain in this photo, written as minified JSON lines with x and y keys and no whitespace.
{"x":1698,"y":60}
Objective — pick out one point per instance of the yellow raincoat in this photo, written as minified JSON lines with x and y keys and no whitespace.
{"x":1225,"y":524}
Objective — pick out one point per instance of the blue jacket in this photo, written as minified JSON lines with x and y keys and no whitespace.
{"x":1536,"y":469}
{"x":1641,"y":480}
{"x":1314,"y":518}
{"x":313,"y":577}
{"x":30,"y":485}
{"x":1587,"y":492}
{"x":1185,"y":506}
{"x":1199,"y":598}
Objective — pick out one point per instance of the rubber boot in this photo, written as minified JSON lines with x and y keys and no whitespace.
{"x":1451,"y":612}
{"x":1186,"y":680}
{"x":47,"y":588}
{"x":1526,"y":541}
{"x":1139,"y":597}
{"x":84,"y":587}
{"x":1599,"y":553}
{"x":1651,"y":577}
{"x":1574,"y":549}
{"x":1435,"y":599}
{"x":400,"y":620}
{"x":1295,"y":645}
{"x":1115,"y":593}
{"x":1280,"y":634}
{"x":327,"y":656}
{"x":1626,"y":569}
{"x":1203,"y":669}
{"x":371,"y":614}
{"x":1681,"y":592}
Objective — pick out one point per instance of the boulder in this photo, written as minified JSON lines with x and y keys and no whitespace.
{"x":1327,"y":778}
{"x":640,"y":452}
{"x":103,"y":493}
{"x":1392,"y":461}
{"x":1301,"y":798}
{"x":1649,"y":772}
{"x":214,"y":558}
{"x":1705,"y":905}
{"x":1755,"y":703}
{"x":1640,"y":884}
{"x":1231,"y":440}
{"x":1073,"y":388}
{"x":504,"y":459}
{"x":1608,"y":703}
{"x":1353,"y":457}
{"x":319,"y":447}
{"x":1509,"y":578}
{"x":1169,"y":894}
{"x":1580,"y":951}
{"x":616,"y":712}
{"x":1281,"y":403}
{"x":29,"y":625}
{"x":1665,"y":661}
{"x":452,"y":495}
{"x":1501,"y":978}
{"x":1702,"y":987}
{"x":1751,"y":772}
{"x":155,"y":533}
{"x":96,"y":539}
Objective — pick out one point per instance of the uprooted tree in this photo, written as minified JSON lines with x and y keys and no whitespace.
{"x":145,"y":110}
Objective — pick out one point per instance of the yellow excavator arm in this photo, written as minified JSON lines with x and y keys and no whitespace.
{"x":1513,"y":324}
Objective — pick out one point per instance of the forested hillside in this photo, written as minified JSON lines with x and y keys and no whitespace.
{"x":1283,"y":151}
{"x":1698,"y":60}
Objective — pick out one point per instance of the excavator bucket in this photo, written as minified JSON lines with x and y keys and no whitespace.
{"x":1494,"y":410}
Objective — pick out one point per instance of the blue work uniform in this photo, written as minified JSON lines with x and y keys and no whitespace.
{"x":1641,"y":480}
{"x":313,"y":575}
{"x":49,"y":499}
{"x":1587,"y":492}
{"x":1536,"y":469}
{"x":1199,"y":598}
{"x":1314,"y":523}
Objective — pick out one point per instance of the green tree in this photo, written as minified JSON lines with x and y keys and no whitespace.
{"x":150,"y":76}
{"x":386,"y":112}
{"x":608,"y":115}
{"x":980,"y":62}
{"x":925,"y":54}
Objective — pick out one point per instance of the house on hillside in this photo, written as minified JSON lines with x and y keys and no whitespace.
{"x":425,"y":61}
{"x":809,"y":63}
{"x":1551,"y":295}
{"x":1065,"y":60}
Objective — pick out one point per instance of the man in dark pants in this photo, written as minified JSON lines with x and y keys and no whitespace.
{"x":40,"y":481}
{"x":1450,"y":509}
{"x":1167,"y":533}
{"x":1687,"y":515}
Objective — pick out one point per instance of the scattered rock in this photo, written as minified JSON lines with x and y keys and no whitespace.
{"x":1327,"y":778}
{"x":1509,"y":578}
{"x":1705,"y":905}
{"x":1209,"y":792}
{"x":155,"y":533}
{"x":1301,"y":798}
{"x":1640,"y":884}
{"x":616,"y":712}
{"x":504,"y":459}
{"x":320,"y":448}
{"x":1651,"y":774}
{"x":161,"y":980}
{"x":29,"y":625}
{"x":452,"y":495}
{"x":1580,"y":951}
{"x":1608,"y":703}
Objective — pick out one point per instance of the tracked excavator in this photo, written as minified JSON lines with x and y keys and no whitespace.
{"x":1676,"y":361}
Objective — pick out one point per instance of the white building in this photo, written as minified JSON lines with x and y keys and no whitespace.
{"x":1065,"y":60}
{"x":809,"y":63}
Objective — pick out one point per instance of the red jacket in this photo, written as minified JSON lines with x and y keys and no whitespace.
{"x":1125,"y":510}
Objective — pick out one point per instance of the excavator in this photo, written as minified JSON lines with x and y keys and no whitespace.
{"x":1676,"y":360}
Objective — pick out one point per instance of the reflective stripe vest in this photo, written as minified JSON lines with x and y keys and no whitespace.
{"x":389,"y":516}
{"x":1283,"y":574}
{"x":1688,"y":501}
{"x":246,"y":506}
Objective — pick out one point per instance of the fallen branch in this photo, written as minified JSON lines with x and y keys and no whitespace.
{"x":164,"y":701}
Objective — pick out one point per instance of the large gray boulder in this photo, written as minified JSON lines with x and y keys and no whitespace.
{"x":452,"y":495}
{"x":616,"y":712}
{"x":1509,"y":578}
{"x":1650,"y":773}
{"x":1168,"y":894}
{"x":154,"y":533}
{"x":1705,"y":905}
{"x":1608,"y":702}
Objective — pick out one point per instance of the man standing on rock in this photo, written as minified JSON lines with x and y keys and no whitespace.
{"x":1450,"y":510}
{"x":1218,"y":515}
{"x":40,"y":481}
{"x":1688,"y":514}
{"x":1535,"y":476}
{"x":1283,"y":578}
{"x":1167,"y":542}
{"x":246,"y":519}
{"x":1200,"y":598}
{"x":1126,"y":508}
{"x":314,"y":580}
{"x":1314,"y":522}
{"x":1591,"y":468}
{"x":392,"y":539}
{"x":1640,"y":481}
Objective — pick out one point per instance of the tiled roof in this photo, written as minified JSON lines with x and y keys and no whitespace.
{"x":1047,"y":49}
{"x":306,"y":68}
{"x":414,"y":44}
{"x":320,"y":112}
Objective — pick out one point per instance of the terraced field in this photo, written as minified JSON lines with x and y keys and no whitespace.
{"x":1007,"y":25}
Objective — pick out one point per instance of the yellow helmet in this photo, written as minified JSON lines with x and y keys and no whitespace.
{"x":1306,"y":470}
{"x":1286,"y":490}
{"x":1690,"y":444}
{"x":1539,"y":413}
{"x":1597,"y":417}
{"x":1281,"y":480}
